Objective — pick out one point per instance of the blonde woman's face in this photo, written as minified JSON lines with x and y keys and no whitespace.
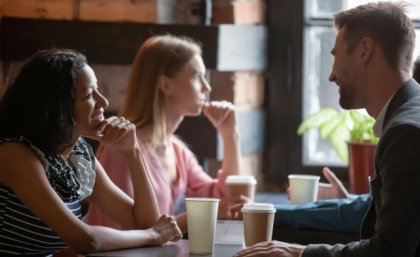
{"x":186,"y":92}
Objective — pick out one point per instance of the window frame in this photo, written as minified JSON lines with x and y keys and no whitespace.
{"x":285,"y":21}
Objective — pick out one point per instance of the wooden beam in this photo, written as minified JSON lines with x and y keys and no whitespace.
{"x":225,"y":47}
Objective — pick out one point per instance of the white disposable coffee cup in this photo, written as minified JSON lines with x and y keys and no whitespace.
{"x":258,"y":220}
{"x":241,"y":185}
{"x":201,"y":220}
{"x":303,"y":188}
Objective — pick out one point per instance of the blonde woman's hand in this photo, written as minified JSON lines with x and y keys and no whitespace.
{"x":116,"y":131}
{"x":165,"y":229}
{"x":230,"y":208}
{"x":222,"y":115}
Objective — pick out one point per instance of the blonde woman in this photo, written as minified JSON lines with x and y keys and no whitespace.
{"x":167,"y":83}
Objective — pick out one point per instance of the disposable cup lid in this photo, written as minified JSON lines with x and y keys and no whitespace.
{"x":241,"y":179}
{"x":302,"y":176}
{"x":202,"y":199}
{"x":258,"y":207}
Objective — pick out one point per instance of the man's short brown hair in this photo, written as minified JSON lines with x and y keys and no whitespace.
{"x":387,"y":24}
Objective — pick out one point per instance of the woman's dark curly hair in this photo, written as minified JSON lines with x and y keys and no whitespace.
{"x":38,"y":105}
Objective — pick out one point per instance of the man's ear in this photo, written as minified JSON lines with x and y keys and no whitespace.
{"x":165,"y":85}
{"x":366,"y":49}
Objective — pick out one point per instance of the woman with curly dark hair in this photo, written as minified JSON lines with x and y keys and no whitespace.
{"x":48,"y":170}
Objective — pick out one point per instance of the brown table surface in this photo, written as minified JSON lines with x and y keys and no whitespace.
{"x":177,"y":249}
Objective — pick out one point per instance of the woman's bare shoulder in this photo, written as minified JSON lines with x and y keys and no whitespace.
{"x":12,"y":150}
{"x":16,"y":158}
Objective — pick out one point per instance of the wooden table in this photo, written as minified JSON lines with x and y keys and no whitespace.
{"x":177,"y":249}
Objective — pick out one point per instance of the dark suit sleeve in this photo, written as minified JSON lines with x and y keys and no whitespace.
{"x":340,"y":215}
{"x":397,"y":201}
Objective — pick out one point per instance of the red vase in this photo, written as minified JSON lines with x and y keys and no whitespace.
{"x":361,"y":166}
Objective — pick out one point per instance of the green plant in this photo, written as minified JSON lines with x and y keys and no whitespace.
{"x":340,"y":128}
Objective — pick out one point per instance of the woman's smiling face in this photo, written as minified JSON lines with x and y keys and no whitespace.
{"x":90,"y":104}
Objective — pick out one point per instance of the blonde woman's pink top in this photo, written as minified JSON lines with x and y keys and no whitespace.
{"x":191,"y":180}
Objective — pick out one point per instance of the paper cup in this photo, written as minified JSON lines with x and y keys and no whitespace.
{"x":201,"y":220}
{"x":303,"y":188}
{"x":238,"y":185}
{"x":258,"y":221}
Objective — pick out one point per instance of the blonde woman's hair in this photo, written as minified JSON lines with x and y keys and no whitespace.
{"x":159,"y":55}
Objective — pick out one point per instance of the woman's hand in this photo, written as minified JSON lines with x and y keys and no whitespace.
{"x":230,"y":208}
{"x":116,"y":131}
{"x":165,"y":229}
{"x":222,"y":115}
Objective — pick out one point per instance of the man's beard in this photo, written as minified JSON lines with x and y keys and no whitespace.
{"x":347,"y":99}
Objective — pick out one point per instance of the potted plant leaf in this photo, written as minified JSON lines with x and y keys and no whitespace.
{"x":351,"y":136}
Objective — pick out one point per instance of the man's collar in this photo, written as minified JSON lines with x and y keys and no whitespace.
{"x":378,"y":126}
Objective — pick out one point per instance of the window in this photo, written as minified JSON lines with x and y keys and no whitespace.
{"x":318,"y":92}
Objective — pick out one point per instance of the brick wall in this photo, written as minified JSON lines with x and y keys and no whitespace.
{"x":244,"y":88}
{"x":238,"y":11}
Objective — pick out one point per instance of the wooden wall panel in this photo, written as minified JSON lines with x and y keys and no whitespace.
{"x":44,"y":9}
{"x":118,"y":10}
{"x":117,"y":42}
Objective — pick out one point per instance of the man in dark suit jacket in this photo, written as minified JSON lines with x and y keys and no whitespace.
{"x":373,"y":54}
